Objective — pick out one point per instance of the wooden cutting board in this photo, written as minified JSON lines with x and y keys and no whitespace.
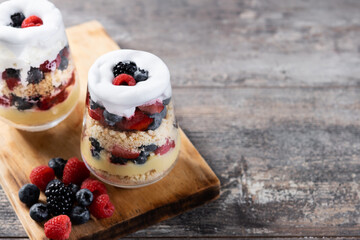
{"x":190,"y":184}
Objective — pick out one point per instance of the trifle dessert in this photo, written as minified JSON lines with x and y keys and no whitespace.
{"x":38,"y":84}
{"x":130,"y":137}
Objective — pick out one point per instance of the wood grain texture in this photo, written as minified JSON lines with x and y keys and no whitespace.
{"x":192,"y":181}
{"x":268,"y":92}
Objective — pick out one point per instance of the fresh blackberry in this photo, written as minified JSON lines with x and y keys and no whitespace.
{"x":142,"y":158}
{"x":57,"y":164}
{"x":95,"y":147}
{"x":20,"y":103}
{"x":17,"y":19}
{"x":35,"y":75}
{"x":111,"y":119}
{"x":141,"y":75}
{"x":59,"y":198}
{"x":39,"y":212}
{"x":127,"y":67}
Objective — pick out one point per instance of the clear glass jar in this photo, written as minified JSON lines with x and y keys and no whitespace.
{"x":38,"y":83}
{"x":130,"y":137}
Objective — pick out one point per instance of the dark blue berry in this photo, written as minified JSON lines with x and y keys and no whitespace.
{"x":150,"y":148}
{"x":142,"y":158}
{"x":157,"y":119}
{"x":64,"y":63}
{"x":20,"y":103}
{"x":141,"y":75}
{"x":84,"y":197}
{"x":79,"y":215}
{"x":29,"y":194}
{"x":94,"y":105}
{"x":127,"y":67}
{"x":57,"y":164}
{"x":12,"y":73}
{"x":118,"y":160}
{"x":59,"y":198}
{"x":39,"y":212}
{"x":74,"y":189}
{"x":167,"y":101}
{"x":35,"y":75}
{"x":95,"y":147}
{"x":111,"y":119}
{"x":17,"y":19}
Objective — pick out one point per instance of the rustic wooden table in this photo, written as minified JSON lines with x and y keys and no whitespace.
{"x":269,"y":93}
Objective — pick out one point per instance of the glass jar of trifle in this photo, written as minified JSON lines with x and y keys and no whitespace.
{"x":38,"y":84}
{"x":130,"y":137}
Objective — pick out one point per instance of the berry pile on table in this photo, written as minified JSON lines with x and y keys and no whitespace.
{"x":70,"y":199}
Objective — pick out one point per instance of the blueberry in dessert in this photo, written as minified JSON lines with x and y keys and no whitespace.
{"x":38,"y":86}
{"x":129,"y":136}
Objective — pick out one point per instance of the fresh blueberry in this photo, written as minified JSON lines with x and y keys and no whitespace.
{"x":157,"y":119}
{"x":17,"y":19}
{"x":142,"y":158}
{"x":141,"y":75}
{"x":95,"y":147}
{"x":39,"y":212}
{"x":35,"y":75}
{"x":127,"y":67}
{"x":118,"y":160}
{"x":84,"y":197}
{"x":94,"y":105}
{"x":20,"y":103}
{"x":79,"y":215}
{"x":74,"y":189}
{"x":64,"y":63}
{"x":111,"y":119}
{"x":57,"y":164}
{"x":150,"y":147}
{"x":167,"y":101}
{"x":29,"y":194}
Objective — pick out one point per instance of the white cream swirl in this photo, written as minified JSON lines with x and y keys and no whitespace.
{"x":22,"y":48}
{"x":122,"y":100}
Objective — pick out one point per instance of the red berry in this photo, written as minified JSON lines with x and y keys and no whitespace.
{"x":102,"y":207}
{"x":165,"y":148}
{"x":32,"y":21}
{"x":11,"y":82}
{"x":75,"y":171}
{"x":48,"y":102}
{"x":118,"y":151}
{"x":124,"y":79}
{"x":157,"y":107}
{"x":58,"y":228}
{"x":4,"y":101}
{"x":139,"y":121}
{"x":50,"y":66}
{"x":41,"y":176}
{"x":96,"y":114}
{"x":95,"y":186}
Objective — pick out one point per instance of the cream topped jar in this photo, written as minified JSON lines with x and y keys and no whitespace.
{"x":38,"y":87}
{"x":130,"y":137}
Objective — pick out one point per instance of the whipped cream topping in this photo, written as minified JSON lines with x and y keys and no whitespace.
{"x":122,"y":100}
{"x":22,"y":48}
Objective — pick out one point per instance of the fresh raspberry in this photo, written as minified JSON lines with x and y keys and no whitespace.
{"x":124,"y":79}
{"x":165,"y":148}
{"x":75,"y":171}
{"x":102,"y":207}
{"x":139,"y":121}
{"x":32,"y":21}
{"x":41,"y":176}
{"x":96,"y":114}
{"x":157,"y":107}
{"x":95,"y":186}
{"x":118,"y":151}
{"x":58,"y":228}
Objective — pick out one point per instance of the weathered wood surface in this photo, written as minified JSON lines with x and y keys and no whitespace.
{"x":269,"y":93}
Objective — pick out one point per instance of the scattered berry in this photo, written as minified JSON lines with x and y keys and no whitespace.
{"x":119,"y":151}
{"x":127,"y":67}
{"x":75,"y":171}
{"x":102,"y":207}
{"x":39,"y":212}
{"x":59,"y":198}
{"x":84,"y":197}
{"x":95,"y":147}
{"x":111,"y":119}
{"x":58,"y":228}
{"x":20,"y":103}
{"x":35,"y":75}
{"x":32,"y":21}
{"x":157,"y":107}
{"x":29,"y":194}
{"x":141,"y":75}
{"x":124,"y":79}
{"x":17,"y":19}
{"x":57,"y":164}
{"x":79,"y":215}
{"x":96,"y":187}
{"x":166,"y":147}
{"x":41,"y":176}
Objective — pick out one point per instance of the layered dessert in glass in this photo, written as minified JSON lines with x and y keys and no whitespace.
{"x":130,"y":137}
{"x":38,"y":84}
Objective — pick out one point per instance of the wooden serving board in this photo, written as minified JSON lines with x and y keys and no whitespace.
{"x":190,"y":184}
